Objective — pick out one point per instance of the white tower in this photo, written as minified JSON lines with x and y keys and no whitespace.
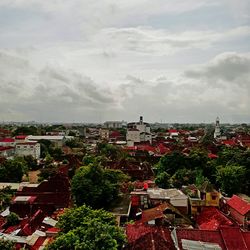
{"x":217,"y":128}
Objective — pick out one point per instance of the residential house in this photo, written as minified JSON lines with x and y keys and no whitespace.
{"x":206,"y":196}
{"x":7,"y":152}
{"x":151,"y":197}
{"x":104,"y":134}
{"x":7,"y":142}
{"x":239,"y":210}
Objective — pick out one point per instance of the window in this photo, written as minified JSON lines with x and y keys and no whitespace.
{"x":214,"y":197}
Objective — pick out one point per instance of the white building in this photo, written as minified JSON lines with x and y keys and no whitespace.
{"x":138,"y":132}
{"x":28,"y":148}
{"x":57,"y":140}
{"x":217,"y":132}
{"x":114,"y":124}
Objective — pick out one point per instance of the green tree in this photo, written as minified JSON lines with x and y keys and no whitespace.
{"x":171,"y":162}
{"x":163,"y":180}
{"x":95,"y":186}
{"x":112,"y":152}
{"x":12,"y":219}
{"x":7,"y":245}
{"x":31,"y":162}
{"x":230,"y":178}
{"x":183,"y":176}
{"x":85,"y":228}
{"x":5,"y":197}
{"x":13,"y":170}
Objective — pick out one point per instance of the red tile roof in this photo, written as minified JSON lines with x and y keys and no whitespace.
{"x":211,"y":219}
{"x":2,"y":221}
{"x":39,"y":242}
{"x":27,"y":143}
{"x":172,"y":131}
{"x":212,"y":156}
{"x":238,"y":204}
{"x":148,"y":237}
{"x":229,"y":142}
{"x":246,"y":236}
{"x":7,"y":140}
{"x":233,"y":238}
{"x":20,"y":137}
{"x":153,"y":213}
{"x":200,"y":235}
{"x":5,"y":148}
{"x":53,"y":230}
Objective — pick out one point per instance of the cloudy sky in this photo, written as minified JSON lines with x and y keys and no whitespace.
{"x":92,"y":61}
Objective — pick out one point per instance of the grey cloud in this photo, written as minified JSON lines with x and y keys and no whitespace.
{"x":228,"y":67}
{"x":48,"y":89}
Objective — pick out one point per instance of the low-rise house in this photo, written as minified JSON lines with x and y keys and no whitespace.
{"x":141,"y":236}
{"x":48,"y":196}
{"x":163,"y":214}
{"x":7,"y":152}
{"x":212,"y":219}
{"x":152,"y":197}
{"x":7,"y":142}
{"x":104,"y":134}
{"x":206,"y":196}
{"x":4,"y":133}
{"x":239,"y":210}
{"x":174,"y":196}
{"x":57,"y":140}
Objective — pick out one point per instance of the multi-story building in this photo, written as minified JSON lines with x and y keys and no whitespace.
{"x":138,"y":132}
{"x":28,"y":148}
{"x":114,"y":124}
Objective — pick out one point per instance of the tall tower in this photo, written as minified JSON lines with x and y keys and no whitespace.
{"x":217,"y":128}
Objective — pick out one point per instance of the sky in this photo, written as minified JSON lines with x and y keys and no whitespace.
{"x":92,"y":61}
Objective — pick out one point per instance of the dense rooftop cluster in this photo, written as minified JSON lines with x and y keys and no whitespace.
{"x":149,"y":187}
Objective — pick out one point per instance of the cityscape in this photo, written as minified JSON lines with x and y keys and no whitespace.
{"x":159,"y":186}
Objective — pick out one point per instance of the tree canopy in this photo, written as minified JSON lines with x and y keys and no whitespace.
{"x":84,"y":228}
{"x":13,"y":170}
{"x":7,"y":245}
{"x":95,"y":186}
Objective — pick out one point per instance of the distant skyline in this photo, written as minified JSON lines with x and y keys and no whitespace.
{"x":92,"y":61}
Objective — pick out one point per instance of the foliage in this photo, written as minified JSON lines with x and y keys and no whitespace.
{"x":85,"y":228}
{"x":163,"y":180}
{"x":31,"y":162}
{"x":112,"y":152}
{"x":44,"y":145}
{"x":13,"y":170}
{"x":95,"y":186}
{"x":178,"y":169}
{"x":91,"y":159}
{"x":170,"y":163}
{"x":12,"y":219}
{"x":183,"y":176}
{"x":7,"y":245}
{"x":25,"y":130}
{"x":230,"y":178}
{"x":56,"y":153}
{"x":73,"y":143}
{"x":5,"y":197}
